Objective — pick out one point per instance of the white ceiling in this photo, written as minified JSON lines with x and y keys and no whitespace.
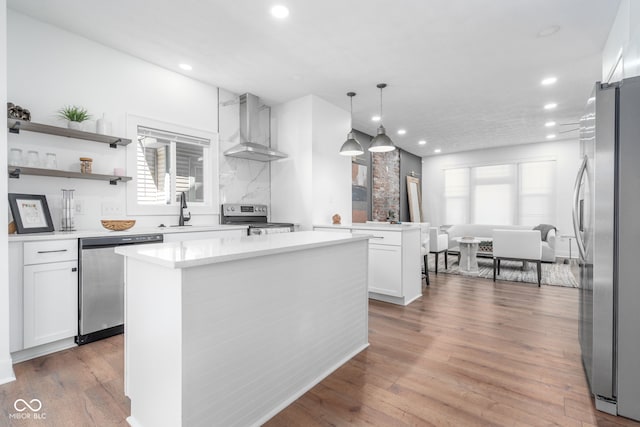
{"x":462,"y":74}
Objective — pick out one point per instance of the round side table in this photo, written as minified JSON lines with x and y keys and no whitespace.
{"x":468,"y":255}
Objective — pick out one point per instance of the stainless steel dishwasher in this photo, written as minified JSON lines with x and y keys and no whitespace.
{"x":101,"y":285}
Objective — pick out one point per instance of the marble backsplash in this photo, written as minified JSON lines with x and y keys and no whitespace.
{"x":241,"y":180}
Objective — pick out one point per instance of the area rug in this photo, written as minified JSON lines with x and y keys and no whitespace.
{"x":552,"y":274}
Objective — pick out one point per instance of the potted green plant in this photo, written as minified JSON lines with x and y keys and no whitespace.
{"x":74,"y":115}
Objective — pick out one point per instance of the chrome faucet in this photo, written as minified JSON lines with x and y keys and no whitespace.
{"x":183,"y":206}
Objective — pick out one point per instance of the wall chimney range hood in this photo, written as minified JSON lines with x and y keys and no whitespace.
{"x":249,"y":148}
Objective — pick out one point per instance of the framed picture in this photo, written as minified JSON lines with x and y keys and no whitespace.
{"x":30,"y":213}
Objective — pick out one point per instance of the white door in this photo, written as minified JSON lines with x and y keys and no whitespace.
{"x":50,"y":302}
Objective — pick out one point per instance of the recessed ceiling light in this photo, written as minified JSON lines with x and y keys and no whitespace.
{"x":551,"y":136}
{"x":548,"y":31}
{"x":550,"y":124}
{"x":549,"y":81}
{"x":401,"y":131}
{"x":186,"y":67}
{"x":422,"y":142}
{"x":437,"y":150}
{"x":279,"y":11}
{"x":375,"y":118}
{"x":550,"y":106}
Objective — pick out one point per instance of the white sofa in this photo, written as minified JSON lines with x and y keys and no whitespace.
{"x":486,"y":230}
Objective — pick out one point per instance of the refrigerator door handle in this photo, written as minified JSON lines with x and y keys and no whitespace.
{"x":576,"y":208}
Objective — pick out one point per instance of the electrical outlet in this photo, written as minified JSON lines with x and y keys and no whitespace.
{"x":110,"y":209}
{"x":79,"y":204}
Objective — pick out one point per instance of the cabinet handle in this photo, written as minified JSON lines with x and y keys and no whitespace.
{"x":378,"y":237}
{"x":49,"y":252}
{"x":74,"y":269}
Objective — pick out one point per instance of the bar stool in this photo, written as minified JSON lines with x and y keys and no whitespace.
{"x":439,"y":243}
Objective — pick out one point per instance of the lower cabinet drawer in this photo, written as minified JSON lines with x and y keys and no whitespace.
{"x":50,"y":251}
{"x":382,"y":237}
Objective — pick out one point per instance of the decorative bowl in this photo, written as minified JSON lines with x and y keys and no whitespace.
{"x":118,"y":224}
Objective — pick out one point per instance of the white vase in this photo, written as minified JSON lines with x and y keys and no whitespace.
{"x":74,"y":125}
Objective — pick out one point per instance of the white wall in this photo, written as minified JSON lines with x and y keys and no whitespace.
{"x":6,"y":369}
{"x":331,"y":171}
{"x":565,"y":153}
{"x":49,"y":68}
{"x":623,"y":42}
{"x":314,"y":182}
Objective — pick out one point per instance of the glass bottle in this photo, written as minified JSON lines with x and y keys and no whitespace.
{"x":68,"y":210}
{"x":15,"y":157}
{"x":33,"y":159}
{"x":85,"y":164}
{"x":51,"y":162}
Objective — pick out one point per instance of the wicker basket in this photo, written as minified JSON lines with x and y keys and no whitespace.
{"x":118,"y":224}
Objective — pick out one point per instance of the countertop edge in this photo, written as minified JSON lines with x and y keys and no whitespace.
{"x":63,"y":235}
{"x":252,"y":253}
{"x":380,"y":227}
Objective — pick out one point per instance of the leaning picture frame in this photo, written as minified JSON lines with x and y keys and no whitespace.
{"x":30,"y":213}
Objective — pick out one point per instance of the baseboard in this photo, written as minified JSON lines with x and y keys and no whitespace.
{"x":6,"y":371}
{"x":413,"y":299}
{"x":42,"y":350}
{"x":305,"y":388}
{"x":391,"y":299}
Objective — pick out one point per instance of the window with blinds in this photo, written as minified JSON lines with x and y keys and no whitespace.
{"x":456,"y":196}
{"x":168,"y":164}
{"x":515,"y":193}
{"x":537,"y":193}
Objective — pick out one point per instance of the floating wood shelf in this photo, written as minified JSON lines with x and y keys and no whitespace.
{"x":15,"y":126}
{"x":16,"y":171}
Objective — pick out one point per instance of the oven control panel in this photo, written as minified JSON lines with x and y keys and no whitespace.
{"x":237,"y":209}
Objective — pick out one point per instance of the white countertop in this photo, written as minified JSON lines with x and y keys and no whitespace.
{"x":209,"y":251}
{"x":372,"y":226}
{"x":60,"y":235}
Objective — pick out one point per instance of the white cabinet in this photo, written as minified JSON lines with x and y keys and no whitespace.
{"x":387,"y":269}
{"x":394,"y":260}
{"x":195,"y":235}
{"x":49,"y":298}
{"x":50,"y":302}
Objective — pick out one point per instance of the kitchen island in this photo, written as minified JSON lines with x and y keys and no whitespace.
{"x":230,"y":331}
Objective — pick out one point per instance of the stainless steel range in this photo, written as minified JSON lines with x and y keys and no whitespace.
{"x":255,"y":216}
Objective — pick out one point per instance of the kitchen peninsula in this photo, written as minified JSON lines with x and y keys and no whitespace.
{"x":394,"y":259}
{"x":230,"y":331}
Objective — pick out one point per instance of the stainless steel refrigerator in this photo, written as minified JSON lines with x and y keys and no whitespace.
{"x":606,"y":219}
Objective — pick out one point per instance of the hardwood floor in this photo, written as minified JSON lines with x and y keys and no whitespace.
{"x":83,"y":386}
{"x":469,"y":352}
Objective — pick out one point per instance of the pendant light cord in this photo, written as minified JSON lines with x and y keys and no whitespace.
{"x":381,"y":105}
{"x":351,"y":113}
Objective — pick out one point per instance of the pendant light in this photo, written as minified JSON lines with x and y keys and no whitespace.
{"x":351,"y":146}
{"x":381,"y":142}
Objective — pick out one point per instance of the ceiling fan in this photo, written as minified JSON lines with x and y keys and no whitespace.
{"x":569,"y":130}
